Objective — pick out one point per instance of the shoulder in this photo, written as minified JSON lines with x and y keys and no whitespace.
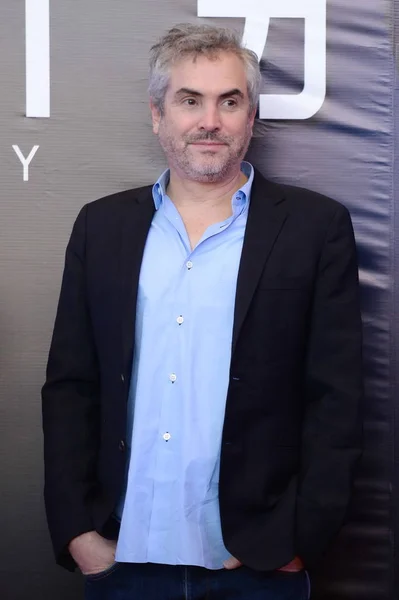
{"x":120,"y":200}
{"x":114,"y":207}
{"x":303,"y":201}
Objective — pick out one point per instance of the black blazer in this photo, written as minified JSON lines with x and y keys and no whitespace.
{"x":292,"y":431}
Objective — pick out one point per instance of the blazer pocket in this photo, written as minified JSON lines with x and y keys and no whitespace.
{"x":284,"y":283}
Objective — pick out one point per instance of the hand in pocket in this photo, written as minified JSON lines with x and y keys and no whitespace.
{"x":92,"y":553}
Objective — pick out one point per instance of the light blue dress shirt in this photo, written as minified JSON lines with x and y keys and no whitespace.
{"x":170,"y":509}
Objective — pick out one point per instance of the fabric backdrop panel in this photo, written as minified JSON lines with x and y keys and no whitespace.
{"x":98,"y":140}
{"x":394,"y":373}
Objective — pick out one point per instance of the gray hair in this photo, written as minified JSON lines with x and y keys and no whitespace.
{"x":186,"y":40}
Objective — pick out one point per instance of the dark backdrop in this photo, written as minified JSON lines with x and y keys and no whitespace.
{"x":98,"y":140}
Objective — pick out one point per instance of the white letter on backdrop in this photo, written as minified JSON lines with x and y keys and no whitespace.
{"x":25,"y":161}
{"x":257,"y":18}
{"x":37,"y":36}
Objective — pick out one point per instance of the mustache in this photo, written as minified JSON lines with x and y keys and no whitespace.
{"x":208,"y":136}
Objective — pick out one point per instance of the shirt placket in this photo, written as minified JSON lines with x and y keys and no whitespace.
{"x":169,"y":440}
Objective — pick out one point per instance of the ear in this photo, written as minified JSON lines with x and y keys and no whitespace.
{"x":156,"y":117}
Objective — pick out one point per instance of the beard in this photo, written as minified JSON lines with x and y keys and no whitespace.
{"x":206,"y":166}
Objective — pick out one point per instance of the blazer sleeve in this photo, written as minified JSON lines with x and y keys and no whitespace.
{"x":70,"y":405}
{"x":332,"y":429}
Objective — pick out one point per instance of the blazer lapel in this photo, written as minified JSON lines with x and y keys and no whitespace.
{"x":137,"y":221}
{"x":266,"y":217}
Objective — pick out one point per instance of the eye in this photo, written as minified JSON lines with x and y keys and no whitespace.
{"x":230,"y":103}
{"x":189,"y":101}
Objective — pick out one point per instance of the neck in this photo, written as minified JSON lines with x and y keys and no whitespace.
{"x":189,"y":193}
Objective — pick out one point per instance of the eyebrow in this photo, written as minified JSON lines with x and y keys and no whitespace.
{"x":187,"y":91}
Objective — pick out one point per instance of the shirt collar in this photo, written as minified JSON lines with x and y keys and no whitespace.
{"x":239,"y":201}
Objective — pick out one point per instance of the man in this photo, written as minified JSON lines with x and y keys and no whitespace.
{"x":202,"y":396}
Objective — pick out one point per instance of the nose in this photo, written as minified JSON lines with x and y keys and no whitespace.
{"x":210,"y":119}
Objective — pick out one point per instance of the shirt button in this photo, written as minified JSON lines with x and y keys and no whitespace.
{"x":189,"y":264}
{"x":180,"y":320}
{"x":122,"y":377}
{"x":122,"y":446}
{"x":172,"y":377}
{"x":166,"y":436}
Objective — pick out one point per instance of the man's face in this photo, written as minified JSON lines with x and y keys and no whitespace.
{"x":206,"y":127}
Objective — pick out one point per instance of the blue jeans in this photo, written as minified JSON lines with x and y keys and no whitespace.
{"x":125,"y":581}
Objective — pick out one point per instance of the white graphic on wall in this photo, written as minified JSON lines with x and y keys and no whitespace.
{"x":257,"y":14}
{"x":37,"y":35}
{"x":25,"y":161}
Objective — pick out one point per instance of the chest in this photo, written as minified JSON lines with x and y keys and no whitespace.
{"x":196,"y":225}
{"x":173,"y":271}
